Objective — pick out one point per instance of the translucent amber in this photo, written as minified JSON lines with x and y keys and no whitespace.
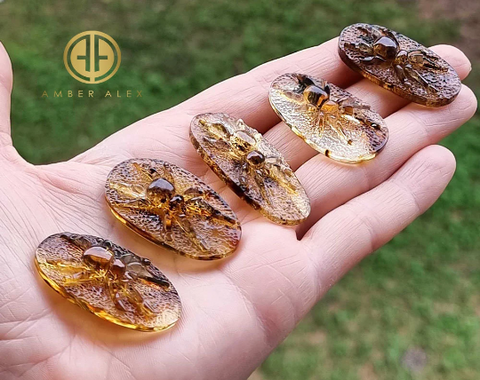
{"x":109,"y":281}
{"x":170,"y":206}
{"x":399,"y":64}
{"x":329,"y":119}
{"x":251,"y":166}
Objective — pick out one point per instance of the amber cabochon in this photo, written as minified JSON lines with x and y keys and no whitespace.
{"x":170,"y":206}
{"x":109,"y":281}
{"x":251,"y":166}
{"x":399,"y":64}
{"x":341,"y":126}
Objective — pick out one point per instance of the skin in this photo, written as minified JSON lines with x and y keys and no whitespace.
{"x":238,"y":310}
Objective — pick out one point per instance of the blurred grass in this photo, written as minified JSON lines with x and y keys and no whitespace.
{"x":418,"y":292}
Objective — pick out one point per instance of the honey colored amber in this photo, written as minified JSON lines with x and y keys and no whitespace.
{"x":170,"y":206}
{"x":329,"y":119}
{"x":109,"y":281}
{"x":251,"y":166}
{"x":399,"y":64}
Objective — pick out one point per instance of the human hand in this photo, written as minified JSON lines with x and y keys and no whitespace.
{"x":237,"y":310}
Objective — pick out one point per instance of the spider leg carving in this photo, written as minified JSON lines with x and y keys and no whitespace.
{"x":336,"y":125}
{"x":413,"y":74}
{"x":266,"y":194}
{"x":242,"y":179}
{"x":152,"y":173}
{"x":372,"y":60}
{"x":74,"y":273}
{"x":218,"y":131}
{"x":283,"y":171}
{"x":184,"y":224}
{"x":146,"y":175}
{"x":361,"y":46}
{"x":377,"y":32}
{"x":134,"y":296}
{"x":370,"y":30}
{"x":348,"y":106}
{"x":136,"y":204}
{"x":118,"y":298}
{"x":320,"y":122}
{"x":79,"y":242}
{"x":167,"y":222}
{"x":399,"y":70}
{"x":219,"y":143}
{"x":199,"y":206}
{"x":167,"y":174}
{"x":142,"y":273}
{"x":424,"y":59}
{"x":128,"y":191}
{"x":82,"y":278}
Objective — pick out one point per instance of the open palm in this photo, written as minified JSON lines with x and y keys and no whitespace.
{"x":237,"y":310}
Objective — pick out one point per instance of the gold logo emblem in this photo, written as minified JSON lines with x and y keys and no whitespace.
{"x":92,"y":57}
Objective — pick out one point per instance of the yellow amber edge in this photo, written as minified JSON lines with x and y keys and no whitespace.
{"x":147,"y":236}
{"x":316,"y":147}
{"x":99,"y":313}
{"x":237,"y":189}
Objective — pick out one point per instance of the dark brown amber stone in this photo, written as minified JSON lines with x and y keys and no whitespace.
{"x":170,"y":206}
{"x":109,"y":281}
{"x":329,"y":119}
{"x":399,"y":64}
{"x":251,"y":166}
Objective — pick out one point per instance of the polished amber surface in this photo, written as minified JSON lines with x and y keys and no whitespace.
{"x":170,"y":206}
{"x":109,"y":281}
{"x":251,"y":166}
{"x":399,"y":64}
{"x":329,"y":119}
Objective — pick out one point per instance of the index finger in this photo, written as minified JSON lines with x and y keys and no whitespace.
{"x":246,"y":96}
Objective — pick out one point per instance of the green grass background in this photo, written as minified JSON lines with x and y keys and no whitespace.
{"x":417,"y":294}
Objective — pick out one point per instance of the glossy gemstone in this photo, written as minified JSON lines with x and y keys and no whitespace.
{"x":251,"y":166}
{"x":399,"y":64}
{"x":329,"y":119}
{"x":170,"y":206}
{"x":109,"y":281}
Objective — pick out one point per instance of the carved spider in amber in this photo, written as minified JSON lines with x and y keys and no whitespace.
{"x":385,"y":49}
{"x":116,"y":273}
{"x":171,"y":206}
{"x":329,"y":111}
{"x":243,"y":146}
{"x":251,"y":166}
{"x":108,"y":280}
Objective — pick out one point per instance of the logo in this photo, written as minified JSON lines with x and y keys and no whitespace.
{"x":92,"y":57}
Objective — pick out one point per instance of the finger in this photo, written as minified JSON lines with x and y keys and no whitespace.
{"x":330,"y":184}
{"x":6,"y":81}
{"x":384,"y":102}
{"x":246,"y":96}
{"x":345,"y":236}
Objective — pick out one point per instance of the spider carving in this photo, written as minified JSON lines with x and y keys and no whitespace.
{"x":117,"y":269}
{"x":160,"y":198}
{"x":385,"y":49}
{"x":243,"y":145}
{"x":331,"y":112}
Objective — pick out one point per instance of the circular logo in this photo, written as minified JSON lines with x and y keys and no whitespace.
{"x":92,"y":57}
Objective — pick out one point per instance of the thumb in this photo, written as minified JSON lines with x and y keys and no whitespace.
{"x":6,"y":80}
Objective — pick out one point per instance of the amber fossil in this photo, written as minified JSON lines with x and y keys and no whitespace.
{"x":399,"y":64}
{"x":172,"y":207}
{"x":329,"y":119}
{"x":251,"y":166}
{"x":109,"y":281}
